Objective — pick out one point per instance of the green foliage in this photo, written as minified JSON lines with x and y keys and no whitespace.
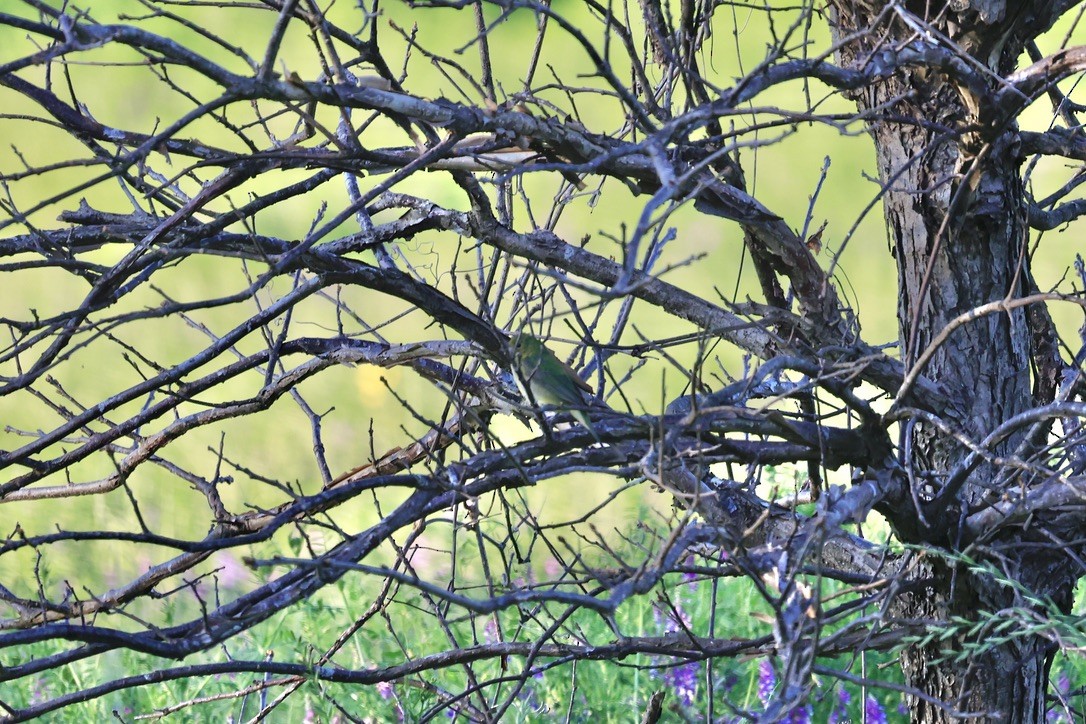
{"x":410,"y":627}
{"x":1032,"y":615}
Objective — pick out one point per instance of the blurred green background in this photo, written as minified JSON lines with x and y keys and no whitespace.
{"x":783,"y":162}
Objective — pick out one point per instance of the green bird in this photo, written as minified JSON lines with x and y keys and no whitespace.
{"x":550,"y":380}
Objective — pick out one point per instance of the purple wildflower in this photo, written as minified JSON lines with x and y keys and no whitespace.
{"x":490,"y":630}
{"x":684,"y":680}
{"x":528,"y":691}
{"x":388,"y":691}
{"x":873,"y":711}
{"x":1063,"y":685}
{"x":40,"y":691}
{"x":689,"y":576}
{"x":767,"y":679}
{"x":799,"y":715}
{"x":840,"y":712}
{"x":671,"y":618}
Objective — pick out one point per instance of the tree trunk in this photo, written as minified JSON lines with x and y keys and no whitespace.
{"x":998,"y":683}
{"x":954,"y":207}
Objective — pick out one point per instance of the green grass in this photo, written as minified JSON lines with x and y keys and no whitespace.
{"x":410,"y":626}
{"x":598,"y":691}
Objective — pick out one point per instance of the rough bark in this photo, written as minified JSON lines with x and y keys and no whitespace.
{"x":950,"y":160}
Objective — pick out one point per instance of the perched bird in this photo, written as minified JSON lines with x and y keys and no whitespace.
{"x":549,"y":380}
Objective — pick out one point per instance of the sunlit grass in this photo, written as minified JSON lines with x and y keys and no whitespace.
{"x":611,"y":691}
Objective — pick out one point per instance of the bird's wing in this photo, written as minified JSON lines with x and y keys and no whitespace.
{"x":578,"y":380}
